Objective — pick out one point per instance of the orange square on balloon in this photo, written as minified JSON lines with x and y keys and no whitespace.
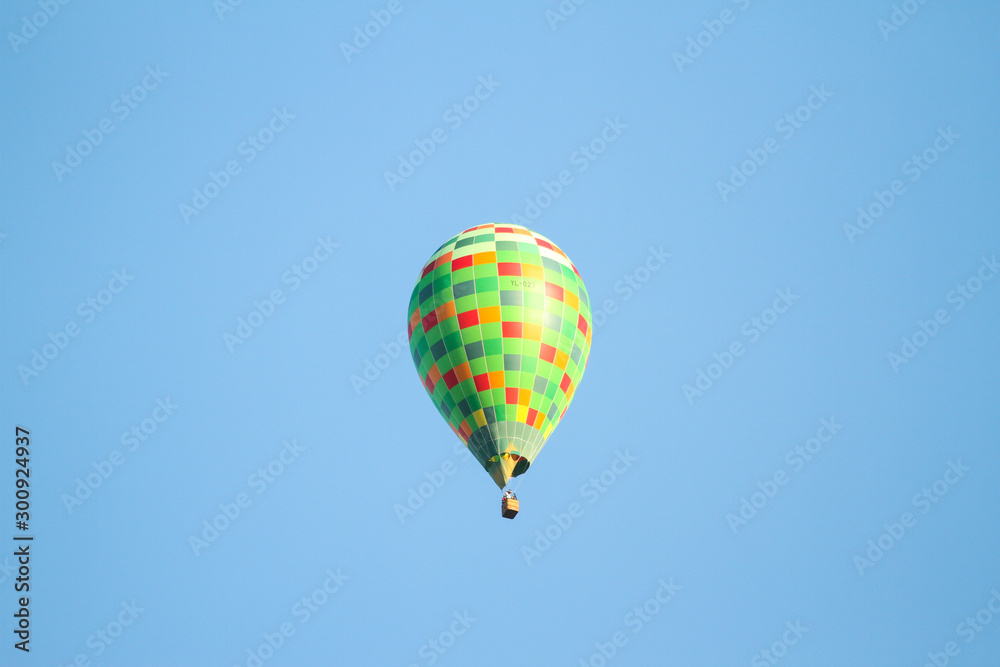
{"x":463,"y":372}
{"x":445,"y":311}
{"x":489,"y":314}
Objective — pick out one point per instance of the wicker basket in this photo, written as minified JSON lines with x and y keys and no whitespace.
{"x":508,"y":508}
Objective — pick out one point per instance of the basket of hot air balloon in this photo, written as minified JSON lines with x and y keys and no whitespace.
{"x":509,"y":507}
{"x":500,"y":332}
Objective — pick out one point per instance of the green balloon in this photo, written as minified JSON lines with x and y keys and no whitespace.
{"x":500,"y":331}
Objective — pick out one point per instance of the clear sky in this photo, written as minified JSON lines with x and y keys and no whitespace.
{"x":785,"y":447}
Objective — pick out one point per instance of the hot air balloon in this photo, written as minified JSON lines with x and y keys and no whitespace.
{"x":500,"y":331}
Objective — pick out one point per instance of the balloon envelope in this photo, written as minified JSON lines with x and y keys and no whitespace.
{"x":500,"y":331}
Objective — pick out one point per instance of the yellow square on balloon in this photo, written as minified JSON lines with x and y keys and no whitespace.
{"x":571,"y":300}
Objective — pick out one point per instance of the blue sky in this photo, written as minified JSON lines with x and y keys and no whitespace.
{"x":784,"y":450}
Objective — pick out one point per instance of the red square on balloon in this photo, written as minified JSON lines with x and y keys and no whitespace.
{"x":430,"y":321}
{"x":468,"y":318}
{"x":508,"y":269}
{"x":461,"y":263}
{"x":512,"y":329}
